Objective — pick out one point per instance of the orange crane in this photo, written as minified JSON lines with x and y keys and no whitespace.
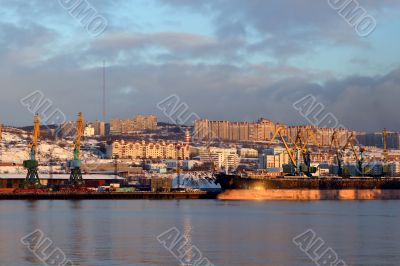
{"x":305,"y":140}
{"x":32,"y":177}
{"x":74,"y":165}
{"x":294,"y":153}
{"x":385,"y":148}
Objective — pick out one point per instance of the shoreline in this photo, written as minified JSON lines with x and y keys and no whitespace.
{"x":109,"y":196}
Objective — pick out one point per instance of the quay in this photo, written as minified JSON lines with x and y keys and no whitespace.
{"x":109,"y":196}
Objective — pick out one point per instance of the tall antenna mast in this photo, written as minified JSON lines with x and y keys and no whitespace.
{"x":104,"y":90}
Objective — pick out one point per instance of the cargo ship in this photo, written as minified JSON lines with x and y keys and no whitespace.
{"x":298,"y":188}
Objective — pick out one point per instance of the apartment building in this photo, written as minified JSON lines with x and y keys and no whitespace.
{"x":128,"y":126}
{"x":147,"y":150}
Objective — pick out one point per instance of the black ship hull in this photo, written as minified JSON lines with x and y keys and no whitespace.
{"x":234,"y":182}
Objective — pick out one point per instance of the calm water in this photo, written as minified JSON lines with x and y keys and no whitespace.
{"x":226,"y":232}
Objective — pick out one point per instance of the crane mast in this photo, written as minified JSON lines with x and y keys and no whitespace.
{"x":385,"y":167}
{"x":32,"y":177}
{"x":74,"y":165}
{"x":385,"y":146}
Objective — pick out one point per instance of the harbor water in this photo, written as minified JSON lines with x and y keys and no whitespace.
{"x":223,"y":232}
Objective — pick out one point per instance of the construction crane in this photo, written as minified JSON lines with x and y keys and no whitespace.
{"x":32,"y":177}
{"x":74,"y":165}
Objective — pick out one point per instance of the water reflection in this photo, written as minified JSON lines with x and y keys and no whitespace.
{"x":31,"y":225}
{"x":124,"y":233}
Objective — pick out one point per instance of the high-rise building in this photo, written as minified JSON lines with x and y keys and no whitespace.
{"x":234,"y":131}
{"x":138,"y":123}
{"x":263,"y":130}
{"x":99,"y":128}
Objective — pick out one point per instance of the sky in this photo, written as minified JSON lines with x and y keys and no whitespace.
{"x":223,"y":59}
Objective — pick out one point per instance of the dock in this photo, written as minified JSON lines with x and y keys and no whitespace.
{"x":109,"y":196}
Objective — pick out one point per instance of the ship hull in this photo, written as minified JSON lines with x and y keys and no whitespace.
{"x":229,"y":182}
{"x":292,"y":188}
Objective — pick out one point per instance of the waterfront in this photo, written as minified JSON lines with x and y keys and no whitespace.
{"x":226,"y":232}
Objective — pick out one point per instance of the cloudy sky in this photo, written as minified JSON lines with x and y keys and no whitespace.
{"x":225,"y":59}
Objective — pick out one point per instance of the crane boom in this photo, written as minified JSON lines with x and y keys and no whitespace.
{"x":279,"y":132}
{"x":385,"y":147}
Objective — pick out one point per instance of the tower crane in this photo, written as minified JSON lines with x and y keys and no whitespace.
{"x":74,"y":165}
{"x":32,"y":177}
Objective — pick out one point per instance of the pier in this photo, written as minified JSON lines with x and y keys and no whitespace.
{"x":109,"y":196}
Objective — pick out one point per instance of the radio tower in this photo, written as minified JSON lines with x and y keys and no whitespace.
{"x":104,"y":91}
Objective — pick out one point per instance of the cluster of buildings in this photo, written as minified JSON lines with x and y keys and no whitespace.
{"x":147,"y":150}
{"x":262,"y":130}
{"x":96,"y":128}
{"x":115,"y":127}
{"x":234,"y":131}
{"x":129,"y":126}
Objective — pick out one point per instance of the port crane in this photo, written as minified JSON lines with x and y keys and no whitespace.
{"x":294,"y":154}
{"x":385,"y":170}
{"x":299,"y":151}
{"x":350,"y":143}
{"x":339,"y":154}
{"x":304,"y":140}
{"x":358,"y":157}
{"x":32,"y":177}
{"x":74,"y":165}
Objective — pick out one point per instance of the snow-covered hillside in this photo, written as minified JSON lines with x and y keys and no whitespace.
{"x":14,"y":149}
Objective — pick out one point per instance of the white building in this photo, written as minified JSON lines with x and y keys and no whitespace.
{"x":248,"y":153}
{"x":273,"y":158}
{"x":226,"y":158}
{"x":88,"y":131}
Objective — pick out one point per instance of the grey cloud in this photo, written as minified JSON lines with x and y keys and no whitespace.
{"x":286,"y":27}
